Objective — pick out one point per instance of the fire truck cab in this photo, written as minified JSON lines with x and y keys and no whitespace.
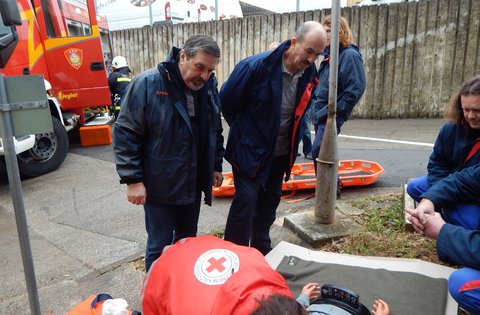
{"x":61,"y":40}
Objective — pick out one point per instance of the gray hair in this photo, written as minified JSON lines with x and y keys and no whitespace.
{"x":304,"y":28}
{"x":198,"y":42}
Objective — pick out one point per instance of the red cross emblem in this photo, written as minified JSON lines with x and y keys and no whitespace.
{"x":216,"y":264}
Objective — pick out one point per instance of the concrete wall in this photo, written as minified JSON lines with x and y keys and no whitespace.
{"x":416,"y":53}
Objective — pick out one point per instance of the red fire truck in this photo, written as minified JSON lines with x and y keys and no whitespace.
{"x":62,"y":40}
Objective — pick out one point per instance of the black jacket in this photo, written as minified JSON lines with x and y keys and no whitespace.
{"x":153,"y":138}
{"x":119,"y":80}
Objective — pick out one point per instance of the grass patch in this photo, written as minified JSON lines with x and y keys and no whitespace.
{"x":383,"y":233}
{"x":218,"y":232}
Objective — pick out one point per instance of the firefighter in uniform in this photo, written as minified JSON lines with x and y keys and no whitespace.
{"x":118,"y":81}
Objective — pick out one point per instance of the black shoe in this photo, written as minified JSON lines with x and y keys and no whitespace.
{"x":298,"y":154}
{"x":309,"y":156}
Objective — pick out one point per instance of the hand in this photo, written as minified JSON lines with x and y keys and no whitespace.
{"x":312,"y":290}
{"x":414,"y":220}
{"x":424,"y":207}
{"x":380,"y":307}
{"x":137,"y":193}
{"x":433,"y":226}
{"x":217,"y":179}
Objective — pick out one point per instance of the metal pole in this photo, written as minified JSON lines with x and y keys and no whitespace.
{"x":327,"y":161}
{"x":298,"y":6}
{"x":17,"y":198}
{"x":150,"y":13}
{"x":216,"y":10}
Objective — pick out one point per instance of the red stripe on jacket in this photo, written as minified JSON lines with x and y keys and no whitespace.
{"x":299,"y":110}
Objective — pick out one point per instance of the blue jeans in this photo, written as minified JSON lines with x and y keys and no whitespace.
{"x":166,"y":224}
{"x":306,"y":135}
{"x":465,"y":215}
{"x":464,"y":286}
{"x":254,"y":207}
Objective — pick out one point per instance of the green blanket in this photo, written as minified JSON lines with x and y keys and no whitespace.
{"x":405,"y":292}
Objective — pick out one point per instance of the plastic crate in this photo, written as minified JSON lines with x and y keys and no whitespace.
{"x":95,"y":135}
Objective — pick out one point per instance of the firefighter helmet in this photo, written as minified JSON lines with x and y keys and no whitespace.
{"x":119,"y":62}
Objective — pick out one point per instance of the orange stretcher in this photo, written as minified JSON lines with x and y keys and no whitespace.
{"x":351,"y":173}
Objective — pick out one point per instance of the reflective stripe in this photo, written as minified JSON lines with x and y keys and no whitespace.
{"x":124,"y":79}
{"x":470,"y":285}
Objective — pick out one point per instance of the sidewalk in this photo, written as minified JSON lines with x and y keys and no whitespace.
{"x":84,"y":235}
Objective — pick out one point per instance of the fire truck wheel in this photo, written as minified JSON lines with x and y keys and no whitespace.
{"x":47,"y":154}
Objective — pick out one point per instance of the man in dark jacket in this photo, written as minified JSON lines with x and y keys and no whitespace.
{"x":263,"y":101}
{"x":168,"y":142}
{"x":118,"y":81}
{"x":455,"y":244}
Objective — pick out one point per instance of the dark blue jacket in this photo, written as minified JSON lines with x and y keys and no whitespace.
{"x":351,"y":85}
{"x":153,"y":138}
{"x":251,"y":103}
{"x":456,"y":244}
{"x":459,"y":187}
{"x":453,"y":144}
{"x":459,"y":246}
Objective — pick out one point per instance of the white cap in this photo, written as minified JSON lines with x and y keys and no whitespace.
{"x":119,"y":62}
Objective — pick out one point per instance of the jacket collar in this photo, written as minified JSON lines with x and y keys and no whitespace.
{"x":326,"y":52}
{"x":124,"y":70}
{"x":170,"y":65}
{"x":276,"y":56}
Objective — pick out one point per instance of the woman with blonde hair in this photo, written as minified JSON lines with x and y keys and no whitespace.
{"x":351,"y":83}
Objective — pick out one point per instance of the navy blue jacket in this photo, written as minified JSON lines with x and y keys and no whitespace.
{"x":251,"y":103}
{"x":453,"y":144}
{"x":456,"y":244}
{"x":153,"y":138}
{"x":351,"y":85}
{"x":459,"y":187}
{"x":459,"y":246}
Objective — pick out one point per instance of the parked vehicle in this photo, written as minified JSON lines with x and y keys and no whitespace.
{"x":61,"y":40}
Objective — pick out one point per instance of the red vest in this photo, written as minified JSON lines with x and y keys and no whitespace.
{"x":206,"y":275}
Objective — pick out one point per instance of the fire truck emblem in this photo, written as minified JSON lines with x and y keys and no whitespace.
{"x":215,"y":266}
{"x":74,"y":57}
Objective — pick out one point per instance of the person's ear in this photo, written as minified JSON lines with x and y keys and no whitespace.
{"x":293,"y":41}
{"x":182,"y":56}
